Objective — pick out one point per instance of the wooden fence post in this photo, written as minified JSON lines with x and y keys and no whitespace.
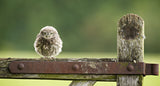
{"x":130,"y":46}
{"x":82,"y":83}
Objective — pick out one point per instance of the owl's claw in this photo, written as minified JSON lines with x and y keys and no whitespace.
{"x":53,"y":58}
{"x":45,"y":58}
{"x":42,"y":58}
{"x":48,"y":58}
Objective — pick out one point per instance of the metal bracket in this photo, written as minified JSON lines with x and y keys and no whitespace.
{"x":62,"y":67}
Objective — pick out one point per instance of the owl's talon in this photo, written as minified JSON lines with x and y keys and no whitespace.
{"x":53,"y":58}
{"x":42,"y":58}
{"x":48,"y":58}
{"x":45,"y":58}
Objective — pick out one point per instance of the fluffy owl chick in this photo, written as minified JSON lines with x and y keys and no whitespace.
{"x":48,"y":42}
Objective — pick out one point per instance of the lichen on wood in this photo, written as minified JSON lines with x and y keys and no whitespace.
{"x":130,"y":38}
{"x":130,"y":46}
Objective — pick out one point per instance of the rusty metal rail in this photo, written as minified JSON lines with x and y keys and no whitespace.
{"x":104,"y":68}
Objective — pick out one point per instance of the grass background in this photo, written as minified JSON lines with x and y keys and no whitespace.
{"x":148,"y":80}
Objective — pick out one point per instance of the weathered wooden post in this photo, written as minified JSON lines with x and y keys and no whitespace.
{"x":82,"y":83}
{"x":130,"y":46}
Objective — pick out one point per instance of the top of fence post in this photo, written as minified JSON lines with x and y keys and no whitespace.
{"x":130,"y":46}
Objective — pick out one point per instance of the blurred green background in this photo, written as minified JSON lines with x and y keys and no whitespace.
{"x":87,"y":28}
{"x":84,"y":25}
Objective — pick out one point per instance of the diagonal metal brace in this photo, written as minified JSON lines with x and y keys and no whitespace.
{"x":63,"y":67}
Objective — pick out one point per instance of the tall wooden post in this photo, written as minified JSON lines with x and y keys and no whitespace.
{"x":130,"y":46}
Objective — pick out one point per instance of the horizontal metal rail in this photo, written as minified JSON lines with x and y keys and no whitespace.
{"x":102,"y":69}
{"x":63,"y":67}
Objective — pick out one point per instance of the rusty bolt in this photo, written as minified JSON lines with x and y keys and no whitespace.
{"x":130,"y":67}
{"x":20,"y":66}
{"x":75,"y":67}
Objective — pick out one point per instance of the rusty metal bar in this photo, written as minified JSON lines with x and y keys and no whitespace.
{"x":104,"y":68}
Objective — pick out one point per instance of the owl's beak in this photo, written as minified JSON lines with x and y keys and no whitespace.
{"x":47,"y":35}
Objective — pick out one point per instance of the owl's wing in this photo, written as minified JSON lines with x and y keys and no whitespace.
{"x":38,"y":42}
{"x":58,"y":42}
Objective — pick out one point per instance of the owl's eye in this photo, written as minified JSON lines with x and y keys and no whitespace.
{"x":43,"y":33}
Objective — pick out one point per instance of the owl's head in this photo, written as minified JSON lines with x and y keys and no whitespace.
{"x":48,"y":32}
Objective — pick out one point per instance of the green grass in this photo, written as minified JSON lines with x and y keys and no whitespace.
{"x":148,"y":80}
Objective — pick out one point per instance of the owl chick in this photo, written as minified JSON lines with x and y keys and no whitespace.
{"x":48,"y":42}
